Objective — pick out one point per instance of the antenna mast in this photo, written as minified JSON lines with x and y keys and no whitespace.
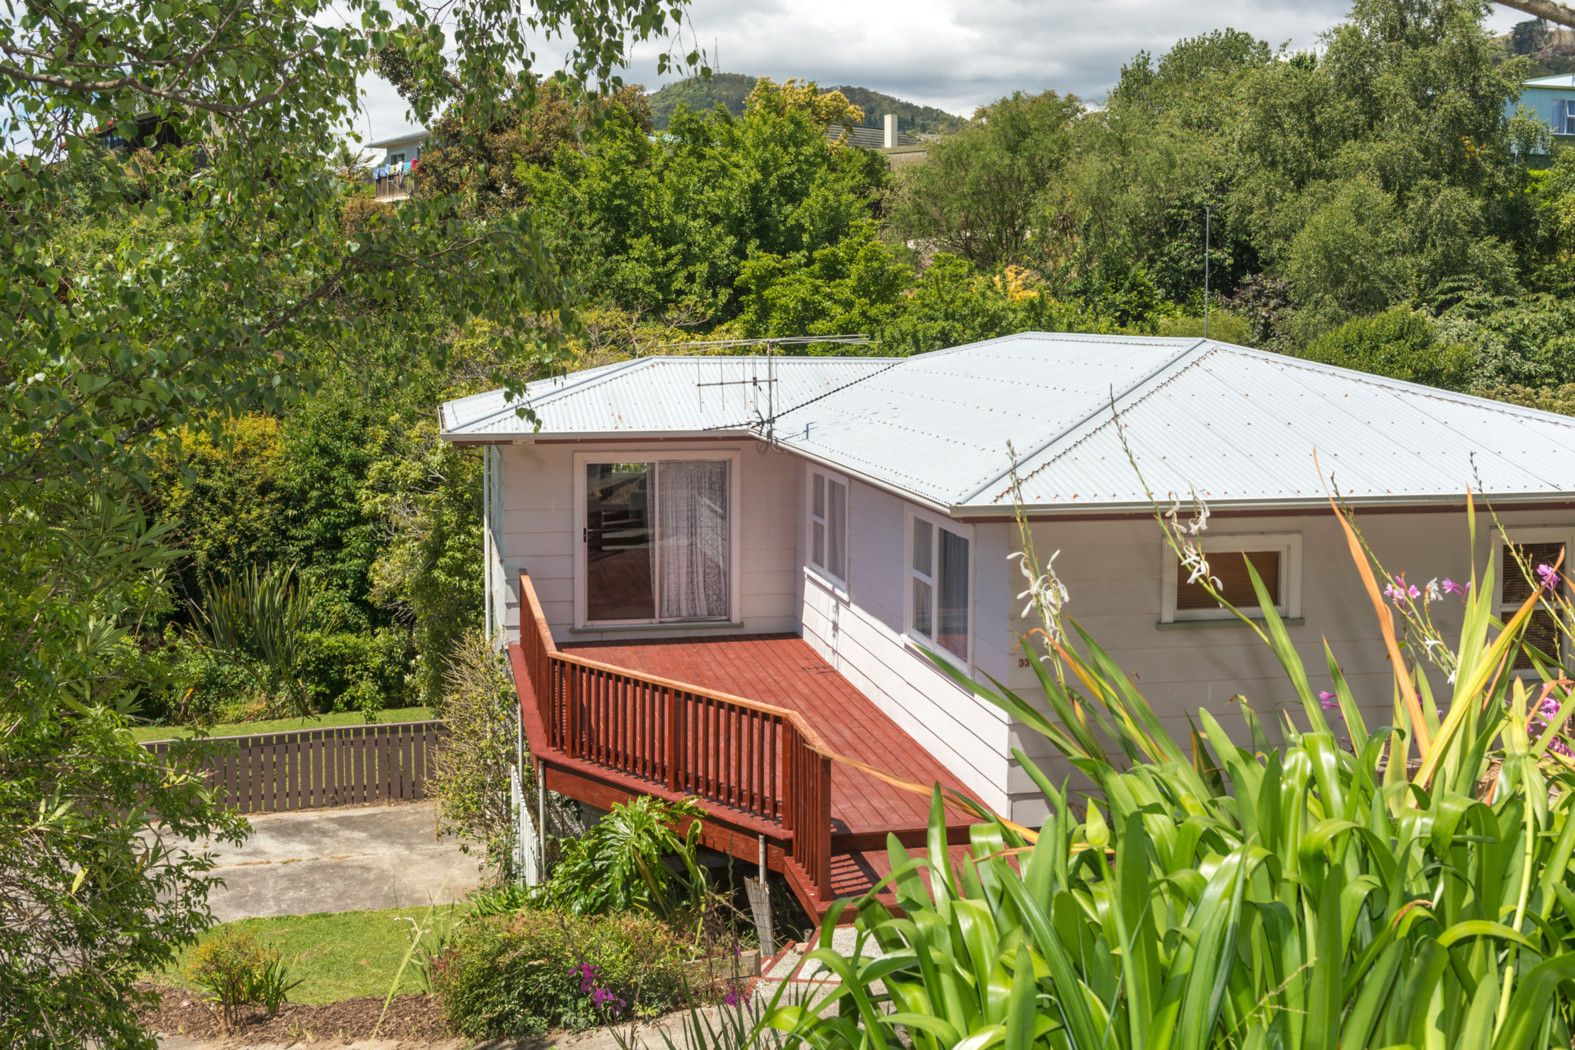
{"x":765,"y":422}
{"x":1206,"y":223}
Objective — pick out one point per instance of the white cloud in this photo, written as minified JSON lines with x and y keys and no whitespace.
{"x":955,"y":54}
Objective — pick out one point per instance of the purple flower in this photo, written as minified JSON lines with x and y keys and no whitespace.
{"x":1549,"y":577}
{"x":1451,"y":587}
{"x":1329,"y":701}
{"x":736,"y":996}
{"x":588,"y":975}
{"x":603,"y":999}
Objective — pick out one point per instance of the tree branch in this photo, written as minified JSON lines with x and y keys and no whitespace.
{"x":1546,"y":9}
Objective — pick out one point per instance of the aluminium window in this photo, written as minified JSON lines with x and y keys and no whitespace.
{"x":828,"y":526}
{"x":940,"y":583}
{"x":1515,"y":586}
{"x":1276,"y":559}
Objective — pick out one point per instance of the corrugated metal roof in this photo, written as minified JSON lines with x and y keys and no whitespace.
{"x":1239,"y":426}
{"x":1557,"y":80}
{"x":657,"y":394}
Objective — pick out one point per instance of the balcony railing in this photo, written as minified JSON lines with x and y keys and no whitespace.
{"x":658,"y":736}
{"x":394,"y":186}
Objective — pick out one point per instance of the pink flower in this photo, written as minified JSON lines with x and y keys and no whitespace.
{"x":1329,"y":701}
{"x":1399,"y":592}
{"x":736,"y":996}
{"x":1451,"y":587}
{"x":1549,"y":577}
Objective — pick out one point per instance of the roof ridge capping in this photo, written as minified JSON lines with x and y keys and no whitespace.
{"x":1189,"y":351}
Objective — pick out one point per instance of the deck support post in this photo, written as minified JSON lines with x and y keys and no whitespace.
{"x":759,"y":892}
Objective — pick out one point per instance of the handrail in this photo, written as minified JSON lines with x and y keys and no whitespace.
{"x":723,"y":748}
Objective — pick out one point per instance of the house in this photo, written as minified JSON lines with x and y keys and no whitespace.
{"x":719,"y":576}
{"x":393,"y":175}
{"x":898,"y":147}
{"x":1552,"y":101}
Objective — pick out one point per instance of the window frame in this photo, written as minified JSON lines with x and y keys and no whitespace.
{"x":1521,"y":538}
{"x":823,"y":572}
{"x":1289,"y":546}
{"x":581,"y":582}
{"x":911,"y":634}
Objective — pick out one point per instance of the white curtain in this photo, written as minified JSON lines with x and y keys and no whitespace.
{"x":692,"y":539}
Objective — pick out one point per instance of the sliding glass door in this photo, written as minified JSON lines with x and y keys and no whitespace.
{"x":658,"y":541}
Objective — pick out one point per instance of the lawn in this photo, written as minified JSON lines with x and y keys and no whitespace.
{"x":340,"y":955}
{"x":284,"y":725}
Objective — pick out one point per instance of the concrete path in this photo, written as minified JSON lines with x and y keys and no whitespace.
{"x":341,"y":860}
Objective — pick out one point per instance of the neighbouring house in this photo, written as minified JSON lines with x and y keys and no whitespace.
{"x":898,"y":147}
{"x":719,"y":576}
{"x":1552,"y":101}
{"x":393,"y":176}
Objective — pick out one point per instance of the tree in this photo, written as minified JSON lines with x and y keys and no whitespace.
{"x":973,"y":196}
{"x":1400,"y":343}
{"x":227,"y":275}
{"x":1528,"y":37}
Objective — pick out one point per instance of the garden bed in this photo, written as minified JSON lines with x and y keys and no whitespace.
{"x":409,"y":1017}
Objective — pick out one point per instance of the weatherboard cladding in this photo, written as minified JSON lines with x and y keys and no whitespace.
{"x":1236,"y":426}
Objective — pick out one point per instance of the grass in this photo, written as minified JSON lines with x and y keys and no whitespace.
{"x":338,"y":955}
{"x":284,"y":725}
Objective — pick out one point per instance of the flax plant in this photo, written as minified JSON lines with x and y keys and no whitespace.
{"x":1287,"y":886}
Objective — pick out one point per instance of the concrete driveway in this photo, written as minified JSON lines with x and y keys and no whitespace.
{"x":341,"y":860}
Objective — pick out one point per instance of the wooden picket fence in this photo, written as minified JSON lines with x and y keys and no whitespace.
{"x":310,"y":768}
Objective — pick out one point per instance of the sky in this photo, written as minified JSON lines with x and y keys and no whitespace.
{"x":954,"y":54}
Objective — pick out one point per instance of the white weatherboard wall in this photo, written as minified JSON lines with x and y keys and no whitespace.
{"x":859,"y":631}
{"x":1113,"y":570}
{"x":538,"y":534}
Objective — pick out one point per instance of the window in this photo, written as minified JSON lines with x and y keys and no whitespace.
{"x":939,"y":580}
{"x":1565,"y":109}
{"x":1276,"y":559}
{"x":828,"y":526}
{"x":1542,"y":632}
{"x":657,"y":538}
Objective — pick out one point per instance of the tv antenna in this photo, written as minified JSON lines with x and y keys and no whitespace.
{"x":765,"y":422}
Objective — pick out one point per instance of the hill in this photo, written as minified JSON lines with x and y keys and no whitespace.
{"x":730,"y":89}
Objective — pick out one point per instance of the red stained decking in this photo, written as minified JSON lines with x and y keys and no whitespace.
{"x":782,"y":670}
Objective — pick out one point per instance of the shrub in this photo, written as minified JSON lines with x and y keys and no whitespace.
{"x":236,"y":971}
{"x":1400,"y":343}
{"x":471,"y":784}
{"x":620,"y":863}
{"x":524,"y":973}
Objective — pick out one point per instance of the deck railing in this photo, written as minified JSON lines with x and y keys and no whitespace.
{"x":764,"y":761}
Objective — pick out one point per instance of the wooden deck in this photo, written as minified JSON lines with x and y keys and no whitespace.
{"x":759,"y":728}
{"x":782,"y":670}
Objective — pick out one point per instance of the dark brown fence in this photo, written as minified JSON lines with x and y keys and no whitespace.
{"x":333,"y":766}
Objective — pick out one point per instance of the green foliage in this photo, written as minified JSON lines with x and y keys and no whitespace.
{"x":258,"y":619}
{"x":146,"y":299}
{"x":520,"y":974}
{"x":1227,"y":890}
{"x":471,"y":782}
{"x":971,"y":195}
{"x":1400,"y":343}
{"x":621,"y":864}
{"x":1346,"y":258}
{"x":236,"y":971}
{"x":729,"y":90}
{"x":1223,"y":325}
